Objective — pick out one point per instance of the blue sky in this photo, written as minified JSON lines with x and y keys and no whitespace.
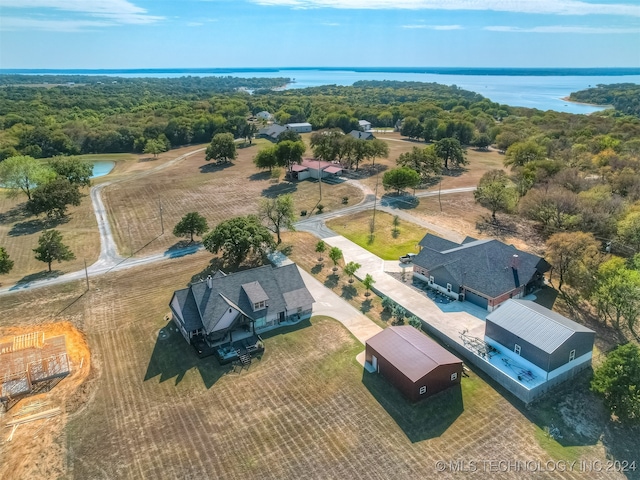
{"x":269,"y":33}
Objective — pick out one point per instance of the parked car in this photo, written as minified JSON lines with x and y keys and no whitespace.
{"x":408,"y":258}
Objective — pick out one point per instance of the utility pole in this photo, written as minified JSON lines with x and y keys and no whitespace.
{"x":86,"y":273}
{"x":375,"y":203}
{"x":320,"y":179}
{"x":439,"y":189}
{"x":161,"y":220}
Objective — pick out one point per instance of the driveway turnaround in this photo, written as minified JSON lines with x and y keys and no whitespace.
{"x":451,"y":324}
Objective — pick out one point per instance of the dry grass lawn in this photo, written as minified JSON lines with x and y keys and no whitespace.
{"x":305,"y":409}
{"x":386,"y":244}
{"x":217,"y":192}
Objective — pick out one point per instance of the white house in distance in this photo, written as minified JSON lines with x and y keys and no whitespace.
{"x":365,"y":125}
{"x":264,"y":115}
{"x":312,"y":168}
{"x":299,"y":127}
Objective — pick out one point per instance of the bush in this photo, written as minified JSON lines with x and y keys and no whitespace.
{"x":345,"y":200}
{"x":388,"y":304}
{"x":303,"y":213}
{"x":320,"y":208}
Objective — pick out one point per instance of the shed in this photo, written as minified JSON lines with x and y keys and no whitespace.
{"x":415,"y":364}
{"x":299,"y":127}
{"x":543,"y":337}
{"x":365,"y":125}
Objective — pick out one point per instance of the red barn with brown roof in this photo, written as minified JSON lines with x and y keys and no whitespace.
{"x":415,"y":364}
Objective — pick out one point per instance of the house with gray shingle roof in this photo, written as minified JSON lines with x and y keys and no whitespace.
{"x":360,"y":135}
{"x":227,"y":308}
{"x":271,"y":132}
{"x":483,"y":272}
{"x":541,"y":336}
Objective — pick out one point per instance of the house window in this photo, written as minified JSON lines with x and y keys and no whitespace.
{"x":430,"y":278}
{"x":572,"y":355}
{"x":454,"y":376}
{"x":516,"y":349}
{"x":259,"y":305}
{"x":423,"y":390}
{"x":448,"y":287}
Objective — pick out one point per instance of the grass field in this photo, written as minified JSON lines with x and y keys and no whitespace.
{"x":216,"y":192}
{"x":386,"y":244}
{"x":158,"y":410}
{"x":305,"y":409}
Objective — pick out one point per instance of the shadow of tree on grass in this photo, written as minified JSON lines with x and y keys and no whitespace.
{"x":30,"y":227}
{"x":25,"y":281}
{"x":332,"y":281}
{"x":349,"y":292}
{"x":214,"y":167}
{"x":278,"y":189}
{"x":366,"y":306}
{"x":13,"y":214}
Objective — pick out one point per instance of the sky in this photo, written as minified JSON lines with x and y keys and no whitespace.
{"x":130,"y":34}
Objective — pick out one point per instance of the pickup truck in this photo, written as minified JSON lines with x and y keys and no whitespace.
{"x":408,"y":258}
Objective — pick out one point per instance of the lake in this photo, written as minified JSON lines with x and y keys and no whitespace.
{"x":102,"y":168}
{"x":541,"y":88}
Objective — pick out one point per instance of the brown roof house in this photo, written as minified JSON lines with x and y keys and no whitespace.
{"x":412,"y":362}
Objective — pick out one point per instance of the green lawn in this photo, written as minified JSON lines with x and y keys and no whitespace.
{"x":386,"y":244}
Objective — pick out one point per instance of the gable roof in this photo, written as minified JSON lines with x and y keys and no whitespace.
{"x":535,"y":324}
{"x":411,"y":351}
{"x":363,"y":123}
{"x":272,"y":130}
{"x":361,"y":135}
{"x":299,"y":124}
{"x":281,"y":287}
{"x":486,"y":266}
{"x":315,"y":164}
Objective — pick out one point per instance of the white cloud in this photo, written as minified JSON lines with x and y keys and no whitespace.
{"x":555,"y":7}
{"x":118,"y":11}
{"x":434,"y":27}
{"x":563,"y":29}
{"x":25,"y":23}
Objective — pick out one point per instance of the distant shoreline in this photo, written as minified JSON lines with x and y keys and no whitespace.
{"x":420,"y":70}
{"x":567,"y":99}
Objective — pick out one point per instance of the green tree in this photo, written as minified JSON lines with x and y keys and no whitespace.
{"x":321,"y":247}
{"x":24,"y":173}
{"x":368,"y":284}
{"x":249,"y":129}
{"x":350,"y":269}
{"x":617,"y":380}
{"x":154,"y":147}
{"x":279,"y":212}
{"x":388,"y":304}
{"x":399,"y":313}
{"x":53,"y":198}
{"x":266,"y":158}
{"x":399,"y":179}
{"x":335,"y":254}
{"x":411,"y":128}
{"x":521,"y":153}
{"x":222,"y":148}
{"x":290,"y":135}
{"x":50,"y":248}
{"x":450,"y":150}
{"x":327,"y":144}
{"x":422,"y":160}
{"x":5,"y":263}
{"x":574,"y":258}
{"x":494,"y":193}
{"x":289,"y":153}
{"x":239,"y":237}
{"x":73,"y":169}
{"x":482,"y":142}
{"x":629,"y":230}
{"x":191,"y":224}
{"x":376,"y":148}
{"x":617,"y":293}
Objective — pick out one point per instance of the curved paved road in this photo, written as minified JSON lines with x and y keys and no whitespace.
{"x":110,"y":260}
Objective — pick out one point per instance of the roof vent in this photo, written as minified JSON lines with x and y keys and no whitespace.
{"x":209,"y":281}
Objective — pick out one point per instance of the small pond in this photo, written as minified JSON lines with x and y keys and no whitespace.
{"x":102,"y":168}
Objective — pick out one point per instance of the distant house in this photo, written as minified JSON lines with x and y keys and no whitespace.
{"x":224,"y":314}
{"x":312,"y":168}
{"x":412,"y":362}
{"x":271,"y":132}
{"x":555,"y":344}
{"x":484,"y":272}
{"x":364,"y":125}
{"x":299,"y":127}
{"x":264,"y":115}
{"x":361,"y":135}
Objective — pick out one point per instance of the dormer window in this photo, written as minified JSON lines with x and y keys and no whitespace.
{"x":259,"y":305}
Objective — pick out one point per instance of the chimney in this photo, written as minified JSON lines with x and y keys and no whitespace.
{"x":515,"y":263}
{"x":209,"y":281}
